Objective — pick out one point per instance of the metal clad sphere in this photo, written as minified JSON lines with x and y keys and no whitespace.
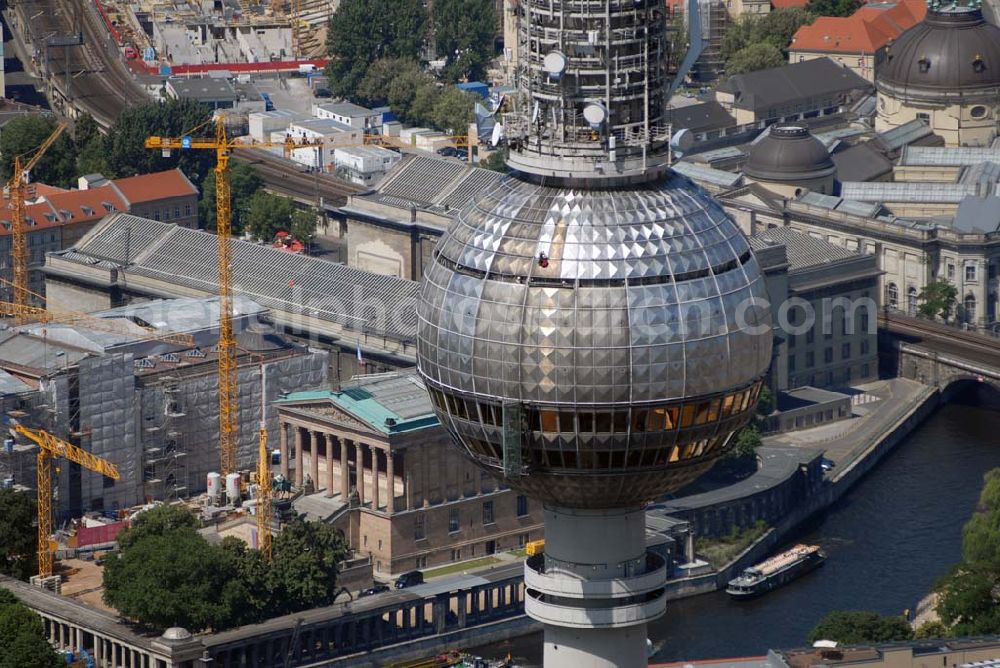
{"x":626,"y":328}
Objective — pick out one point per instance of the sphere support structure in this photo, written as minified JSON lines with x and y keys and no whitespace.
{"x":595,"y":588}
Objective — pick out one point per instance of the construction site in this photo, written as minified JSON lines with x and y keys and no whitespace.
{"x":187,"y":32}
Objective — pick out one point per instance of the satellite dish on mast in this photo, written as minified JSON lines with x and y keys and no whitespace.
{"x":554,"y":64}
{"x":595,"y":114}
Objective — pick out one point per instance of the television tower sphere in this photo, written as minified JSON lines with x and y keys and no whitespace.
{"x":595,"y":348}
{"x":593,"y":329}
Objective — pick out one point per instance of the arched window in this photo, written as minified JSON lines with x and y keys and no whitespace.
{"x":892,"y":296}
{"x":970,"y":308}
{"x":911,"y":301}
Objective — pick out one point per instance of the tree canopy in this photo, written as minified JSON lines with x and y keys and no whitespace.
{"x":832,"y":7}
{"x":967,"y":603}
{"x":464,"y":31}
{"x":849,"y":627}
{"x":937,"y":299}
{"x":23,"y":135}
{"x":22,"y":637}
{"x":362,"y":31}
{"x":745,"y":44}
{"x":269,"y":214}
{"x":127,"y":154}
{"x":166,"y":574}
{"x":244,"y":183}
{"x":18,"y":537}
{"x":754,"y":57}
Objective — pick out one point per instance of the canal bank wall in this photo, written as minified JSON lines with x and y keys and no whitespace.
{"x":870,"y":454}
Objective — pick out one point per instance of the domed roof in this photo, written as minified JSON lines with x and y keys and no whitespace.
{"x":176,"y":633}
{"x":603,"y":315}
{"x":789,"y":153}
{"x":952,"y":50}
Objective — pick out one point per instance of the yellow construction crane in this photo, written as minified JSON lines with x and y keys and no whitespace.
{"x":23,"y":164}
{"x":265,"y":486}
{"x":51,"y":447}
{"x":223,"y":145}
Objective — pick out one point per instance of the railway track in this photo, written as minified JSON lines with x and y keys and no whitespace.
{"x":90,"y":77}
{"x":944,"y":339}
{"x":283,"y":178}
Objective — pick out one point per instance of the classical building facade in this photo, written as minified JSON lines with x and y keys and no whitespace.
{"x":373,"y":459}
{"x":945,"y":70}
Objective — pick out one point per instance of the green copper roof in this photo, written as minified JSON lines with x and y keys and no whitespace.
{"x":392,"y":403}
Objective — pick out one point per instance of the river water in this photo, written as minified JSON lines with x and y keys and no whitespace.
{"x":887,"y":540}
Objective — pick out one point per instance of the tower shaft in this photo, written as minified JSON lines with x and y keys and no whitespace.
{"x":595,"y":588}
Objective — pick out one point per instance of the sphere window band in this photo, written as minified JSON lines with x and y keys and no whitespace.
{"x":700,"y":427}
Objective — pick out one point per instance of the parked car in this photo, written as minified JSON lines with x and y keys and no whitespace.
{"x":448,"y":152}
{"x":411,"y":579}
{"x":371,"y":591}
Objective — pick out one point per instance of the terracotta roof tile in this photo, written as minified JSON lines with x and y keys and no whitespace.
{"x":152,"y":187}
{"x":866,"y":31}
{"x":785,"y":4}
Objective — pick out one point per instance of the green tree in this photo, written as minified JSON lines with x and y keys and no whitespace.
{"x":302,"y":224}
{"x":833,"y":7}
{"x":463,"y":34}
{"x":22,"y":637}
{"x":968,"y":602}
{"x":362,"y":31}
{"x":778,"y":27}
{"x":453,"y":110}
{"x":127,"y":154}
{"x":765,"y":402}
{"x":159,"y":521}
{"x":18,"y":537}
{"x":937,"y":299}
{"x":933,"y":629}
{"x":303,"y":572}
{"x":268,"y":214}
{"x":857,"y":626}
{"x":25,"y":134}
{"x":85,"y":130}
{"x":755,"y":57}
{"x":747,"y":442}
{"x":497,"y":161}
{"x":244,"y":183}
{"x":737,"y":36}
{"x":174,"y":579}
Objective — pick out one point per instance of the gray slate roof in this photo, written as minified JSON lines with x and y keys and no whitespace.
{"x":978,"y":214}
{"x":699,"y":117}
{"x":861,"y":162}
{"x":803,"y":251}
{"x":355,"y":299}
{"x":783,"y":85}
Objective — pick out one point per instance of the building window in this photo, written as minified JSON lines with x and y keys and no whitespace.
{"x":829,"y":378}
{"x":810,"y":335}
{"x":791,"y":341}
{"x":522,"y":505}
{"x":845,"y":351}
{"x":865,"y":370}
{"x":177,"y":212}
{"x":911,"y":301}
{"x":419,"y":528}
{"x":810,"y":359}
{"x":454,"y":522}
{"x":488,"y":512}
{"x":979,"y":111}
{"x":187,"y":209}
{"x":421,"y":562}
{"x":791,"y":364}
{"x":864,"y":348}
{"x":863,"y":321}
{"x":828,"y":355}
{"x":970,"y":272}
{"x":951,"y":272}
{"x":892,"y":296}
{"x":970,"y":308}
{"x":924,"y":116}
{"x":456,"y":554}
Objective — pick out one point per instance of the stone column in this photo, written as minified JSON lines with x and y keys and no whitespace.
{"x":314,"y":459}
{"x":328,"y":440}
{"x":407,"y":479}
{"x":345,"y":471}
{"x":283,"y":444}
{"x":99,"y":651}
{"x":390,"y":482}
{"x":359,"y":464}
{"x":300,"y":461}
{"x":375,"y":492}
